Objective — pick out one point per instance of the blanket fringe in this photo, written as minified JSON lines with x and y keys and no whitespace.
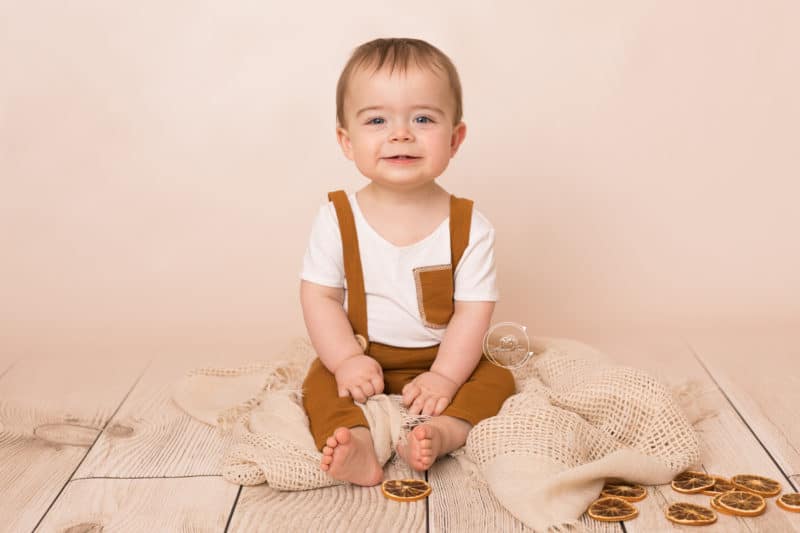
{"x":567,"y":527}
{"x":228,"y":418}
{"x":290,"y":368}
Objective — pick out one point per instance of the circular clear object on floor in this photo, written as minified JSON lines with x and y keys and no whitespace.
{"x":506,"y":344}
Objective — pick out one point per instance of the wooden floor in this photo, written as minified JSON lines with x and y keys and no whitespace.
{"x":93,"y":442}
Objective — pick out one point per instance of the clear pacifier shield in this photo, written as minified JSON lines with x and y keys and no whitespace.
{"x":506,"y":344}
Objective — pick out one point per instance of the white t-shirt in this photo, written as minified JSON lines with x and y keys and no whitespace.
{"x":392,"y":310}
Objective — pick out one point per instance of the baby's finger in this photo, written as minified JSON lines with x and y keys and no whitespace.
{"x":441,"y":405}
{"x":368,"y":389}
{"x":357,"y":394}
{"x":430,"y":406}
{"x":343,"y":392}
{"x":416,"y":407}
{"x":410,"y":392}
{"x":377,"y":384}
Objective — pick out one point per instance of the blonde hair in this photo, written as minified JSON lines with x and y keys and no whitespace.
{"x":398,"y":53}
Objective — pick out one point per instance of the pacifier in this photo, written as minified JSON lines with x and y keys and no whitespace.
{"x":506,"y":344}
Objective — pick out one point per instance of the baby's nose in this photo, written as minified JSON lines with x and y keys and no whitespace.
{"x":401,"y":135}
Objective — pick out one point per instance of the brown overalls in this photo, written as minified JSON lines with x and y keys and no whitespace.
{"x":484,"y":391}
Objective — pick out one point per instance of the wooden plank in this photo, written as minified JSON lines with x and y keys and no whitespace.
{"x":759,"y":372}
{"x":150,"y":436}
{"x":132,"y":505}
{"x":727,"y":445}
{"x":457,"y":504}
{"x":343,"y":508}
{"x":51,"y":412}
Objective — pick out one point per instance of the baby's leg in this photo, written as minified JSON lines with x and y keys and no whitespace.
{"x":349,"y":455}
{"x":437,"y":437}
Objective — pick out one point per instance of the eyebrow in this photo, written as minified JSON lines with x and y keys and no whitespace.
{"x":375,"y":107}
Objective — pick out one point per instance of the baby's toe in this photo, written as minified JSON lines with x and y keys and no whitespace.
{"x":342,"y":435}
{"x":423,"y":432}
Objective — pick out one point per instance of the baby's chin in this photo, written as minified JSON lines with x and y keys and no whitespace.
{"x":400,"y":178}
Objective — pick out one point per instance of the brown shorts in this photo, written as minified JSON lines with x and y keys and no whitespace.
{"x":481,"y":396}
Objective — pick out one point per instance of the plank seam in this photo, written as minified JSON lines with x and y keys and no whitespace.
{"x":146,"y":477}
{"x":741,"y":417}
{"x":233,"y":508}
{"x":7,"y":370}
{"x":89,"y":449}
{"x":427,"y":508}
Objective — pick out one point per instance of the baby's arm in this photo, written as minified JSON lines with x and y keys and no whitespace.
{"x":330,"y":331}
{"x":459,"y":353}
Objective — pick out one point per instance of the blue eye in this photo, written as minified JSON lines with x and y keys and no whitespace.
{"x":427,"y":120}
{"x":372,"y":120}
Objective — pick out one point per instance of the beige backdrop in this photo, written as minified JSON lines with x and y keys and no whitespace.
{"x":161,"y":162}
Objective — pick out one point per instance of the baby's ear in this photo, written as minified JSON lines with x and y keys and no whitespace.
{"x":343,"y":138}
{"x":459,"y":132}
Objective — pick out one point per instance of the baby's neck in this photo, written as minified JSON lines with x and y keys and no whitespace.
{"x":403,"y":218}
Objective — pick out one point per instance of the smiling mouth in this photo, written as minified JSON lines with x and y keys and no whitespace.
{"x":402,"y":157}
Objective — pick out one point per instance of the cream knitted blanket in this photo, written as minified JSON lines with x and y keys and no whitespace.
{"x":576,"y":420}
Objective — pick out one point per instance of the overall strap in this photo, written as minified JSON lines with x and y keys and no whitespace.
{"x":460,"y":222}
{"x":356,"y":296}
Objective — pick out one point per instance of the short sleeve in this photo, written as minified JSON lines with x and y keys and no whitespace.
{"x":476,"y":274}
{"x":323,"y":262}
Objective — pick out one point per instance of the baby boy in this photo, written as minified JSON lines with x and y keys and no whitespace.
{"x":399,"y":282}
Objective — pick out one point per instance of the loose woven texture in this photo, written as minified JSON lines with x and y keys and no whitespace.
{"x":576,"y":419}
{"x":574,"y":407}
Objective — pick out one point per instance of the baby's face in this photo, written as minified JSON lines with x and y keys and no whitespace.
{"x":406,"y":113}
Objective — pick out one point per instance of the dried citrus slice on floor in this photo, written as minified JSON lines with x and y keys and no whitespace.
{"x":763,"y":486}
{"x":630,"y":492}
{"x":405,"y":490}
{"x":721,"y":485}
{"x":690,"y":514}
{"x":789,"y":501}
{"x":742,"y":503}
{"x":611,"y":509}
{"x":692,"y":482}
{"x":717,"y":507}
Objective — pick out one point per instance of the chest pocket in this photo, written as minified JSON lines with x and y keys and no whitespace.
{"x":434,"y":294}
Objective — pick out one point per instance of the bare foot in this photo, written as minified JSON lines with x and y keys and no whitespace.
{"x":349,"y":455}
{"x":423,"y":447}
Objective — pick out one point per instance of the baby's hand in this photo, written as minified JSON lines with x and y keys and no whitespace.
{"x":429,"y":394}
{"x":360,"y":377}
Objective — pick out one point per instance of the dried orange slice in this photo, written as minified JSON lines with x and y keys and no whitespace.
{"x":763,"y":486}
{"x":721,"y":485}
{"x":742,"y":503}
{"x":690,"y":514}
{"x":691,"y":482}
{"x":789,"y":501}
{"x":629,"y":492}
{"x":611,"y":509}
{"x":405,"y":490}
{"x":717,"y":507}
